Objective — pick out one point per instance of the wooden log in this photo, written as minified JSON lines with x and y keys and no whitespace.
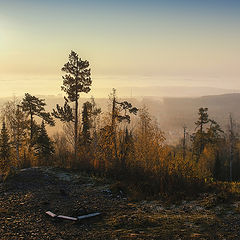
{"x":88,"y":216}
{"x":51,"y":214}
{"x":67,"y":218}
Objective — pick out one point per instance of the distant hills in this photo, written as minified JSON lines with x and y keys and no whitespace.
{"x":164,"y":91}
{"x":173,"y":113}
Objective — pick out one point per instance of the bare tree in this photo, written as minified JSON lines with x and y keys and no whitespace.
{"x":17,"y":123}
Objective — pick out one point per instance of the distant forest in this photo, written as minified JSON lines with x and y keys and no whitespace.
{"x":124,"y":143}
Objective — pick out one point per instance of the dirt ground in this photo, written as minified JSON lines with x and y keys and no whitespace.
{"x":26,"y":197}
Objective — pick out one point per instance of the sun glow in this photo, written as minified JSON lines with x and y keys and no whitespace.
{"x":164,"y":41}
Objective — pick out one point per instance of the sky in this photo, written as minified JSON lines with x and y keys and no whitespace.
{"x":128,"y":43}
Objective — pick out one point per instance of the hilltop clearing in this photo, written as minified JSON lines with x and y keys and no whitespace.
{"x":26,"y":197}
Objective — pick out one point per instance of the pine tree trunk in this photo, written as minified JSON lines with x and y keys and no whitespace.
{"x":76,"y":129}
{"x":17,"y":151}
{"x":113,"y":113}
{"x":114,"y":128}
{"x":76,"y":115}
{"x":16,"y":141}
{"x":31,"y":134}
{"x":201,"y":139}
{"x":184,"y":143}
{"x":231,"y":148}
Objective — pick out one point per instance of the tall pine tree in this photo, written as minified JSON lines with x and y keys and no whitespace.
{"x":4,"y":149}
{"x":44,"y":147}
{"x":34,"y":106}
{"x":76,"y":80}
{"x":199,"y":138}
{"x":207,"y":132}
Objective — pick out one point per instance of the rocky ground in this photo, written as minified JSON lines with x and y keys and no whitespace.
{"x":26,"y":197}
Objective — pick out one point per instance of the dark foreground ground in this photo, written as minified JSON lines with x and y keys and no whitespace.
{"x":26,"y":197}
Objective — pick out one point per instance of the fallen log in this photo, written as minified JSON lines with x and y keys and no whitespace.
{"x":88,"y":216}
{"x":53,"y":215}
{"x":67,"y":218}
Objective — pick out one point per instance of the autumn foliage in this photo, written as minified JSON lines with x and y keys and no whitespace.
{"x":125,"y":143}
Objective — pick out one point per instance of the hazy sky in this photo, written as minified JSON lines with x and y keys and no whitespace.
{"x":128,"y":43}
